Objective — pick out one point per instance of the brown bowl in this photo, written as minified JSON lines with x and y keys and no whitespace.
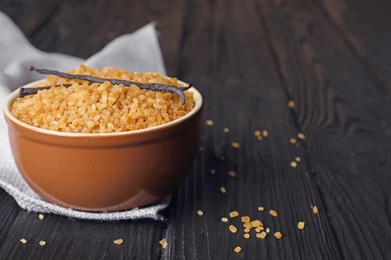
{"x":105,"y":172}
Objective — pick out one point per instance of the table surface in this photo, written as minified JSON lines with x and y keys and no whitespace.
{"x":248,"y":58}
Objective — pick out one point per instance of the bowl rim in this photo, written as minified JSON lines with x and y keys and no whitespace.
{"x":13,"y":95}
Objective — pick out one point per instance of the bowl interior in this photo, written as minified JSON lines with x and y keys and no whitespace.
{"x":12,"y":97}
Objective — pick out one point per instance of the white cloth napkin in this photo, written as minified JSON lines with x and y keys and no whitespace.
{"x":138,"y":51}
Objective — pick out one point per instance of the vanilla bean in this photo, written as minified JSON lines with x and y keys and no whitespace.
{"x":149,"y":86}
{"x":31,"y":91}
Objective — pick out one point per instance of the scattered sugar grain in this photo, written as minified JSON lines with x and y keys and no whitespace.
{"x":42,"y":243}
{"x":213,"y":171}
{"x":278,"y":235}
{"x":118,"y":241}
{"x":300,"y":225}
{"x":23,"y":240}
{"x":247,"y":235}
{"x":293,"y":141}
{"x":265,"y":133}
{"x":224,"y":219}
{"x":226,"y":130}
{"x":301,"y":136}
{"x":163,"y":243}
{"x":247,"y":225}
{"x":293,"y":164}
{"x":247,"y":230}
{"x":233,"y":229}
{"x":291,"y":104}
{"x":261,"y":235}
{"x":235,"y":144}
{"x":257,"y":133}
{"x":245,"y":219}
{"x":223,"y":190}
{"x":234,"y":214}
{"x":232,"y":174}
{"x":41,"y":216}
{"x":315,"y":210}
{"x":267,"y":230}
{"x":297,"y":159}
{"x":273,"y":213}
{"x":209,"y":122}
{"x":238,"y":249}
{"x":200,"y":212}
{"x":256,"y":223}
{"x":259,"y":229}
{"x":261,"y":208}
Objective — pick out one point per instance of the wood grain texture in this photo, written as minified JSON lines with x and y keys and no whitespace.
{"x":248,"y":96}
{"x":30,"y":15}
{"x":8,"y":213}
{"x":348,"y":135}
{"x":264,"y":178}
{"x":82,"y":28}
{"x":76,"y":239}
{"x":364,"y":27}
{"x":248,"y":58}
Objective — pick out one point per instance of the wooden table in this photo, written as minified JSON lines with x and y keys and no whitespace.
{"x":249,"y":59}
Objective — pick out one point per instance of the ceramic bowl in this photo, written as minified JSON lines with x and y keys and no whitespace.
{"x":105,"y":172}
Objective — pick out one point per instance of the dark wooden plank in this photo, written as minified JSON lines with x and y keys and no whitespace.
{"x":364,"y":27}
{"x":8,"y":213}
{"x":226,"y":56}
{"x":211,"y":49}
{"x":169,"y":16}
{"x":75,"y":239}
{"x":83,"y":28}
{"x":96,"y":23}
{"x":30,"y":15}
{"x":345,"y":118}
{"x":264,"y":178}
